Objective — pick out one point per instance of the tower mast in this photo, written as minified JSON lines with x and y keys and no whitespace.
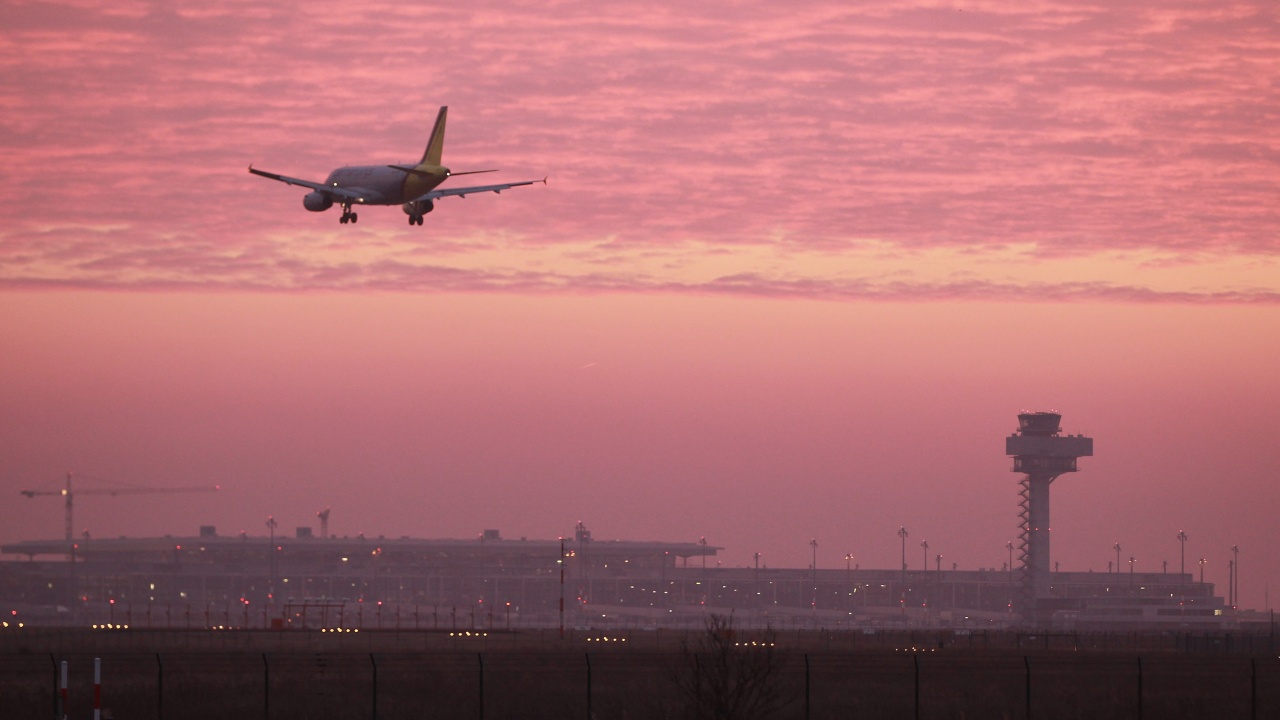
{"x":1041,"y":454}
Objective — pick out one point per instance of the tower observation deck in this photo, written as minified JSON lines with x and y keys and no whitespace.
{"x":1041,"y":454}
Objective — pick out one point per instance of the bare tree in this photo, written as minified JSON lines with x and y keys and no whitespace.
{"x":724,"y":677}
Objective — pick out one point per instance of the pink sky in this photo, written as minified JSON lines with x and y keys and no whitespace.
{"x":796,"y":269}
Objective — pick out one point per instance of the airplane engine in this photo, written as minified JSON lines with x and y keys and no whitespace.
{"x":317,"y":201}
{"x":418,"y":208}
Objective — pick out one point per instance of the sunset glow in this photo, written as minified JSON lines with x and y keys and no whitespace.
{"x":796,"y":269}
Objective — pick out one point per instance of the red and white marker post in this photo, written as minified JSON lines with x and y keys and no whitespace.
{"x":62,"y":692}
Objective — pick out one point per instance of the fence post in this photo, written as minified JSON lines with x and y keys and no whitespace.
{"x":916,"y":661}
{"x":57,"y":711}
{"x":159,"y":688}
{"x":807,"y":701}
{"x":1027,"y":662}
{"x":1139,"y":687}
{"x":480,"y":657}
{"x":697,"y":682}
{"x":1253,"y":688}
{"x":97,"y":689}
{"x":588,"y":657}
{"x":266,"y":688}
{"x":374,"y":663}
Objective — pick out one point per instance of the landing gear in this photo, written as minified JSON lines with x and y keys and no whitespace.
{"x":416,"y":209}
{"x":348,"y":216}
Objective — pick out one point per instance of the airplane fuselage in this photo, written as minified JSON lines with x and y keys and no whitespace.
{"x":384,"y":185}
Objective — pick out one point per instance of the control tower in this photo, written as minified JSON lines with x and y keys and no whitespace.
{"x":1041,"y":454}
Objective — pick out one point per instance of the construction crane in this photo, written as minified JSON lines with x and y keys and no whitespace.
{"x":68,"y":495}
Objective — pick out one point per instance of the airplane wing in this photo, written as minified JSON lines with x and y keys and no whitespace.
{"x":330,"y":189}
{"x":465,"y":191}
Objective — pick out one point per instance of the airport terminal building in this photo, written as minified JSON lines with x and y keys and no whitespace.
{"x":210,"y":580}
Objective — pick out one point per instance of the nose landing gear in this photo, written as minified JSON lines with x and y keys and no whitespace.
{"x":348,"y":216}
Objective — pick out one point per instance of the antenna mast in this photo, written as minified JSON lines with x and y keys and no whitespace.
{"x":324,"y":522}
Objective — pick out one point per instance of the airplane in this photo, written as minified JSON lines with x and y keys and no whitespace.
{"x":413,"y":187}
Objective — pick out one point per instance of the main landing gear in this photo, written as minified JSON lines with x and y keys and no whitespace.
{"x":416,"y":209}
{"x":347,"y":215}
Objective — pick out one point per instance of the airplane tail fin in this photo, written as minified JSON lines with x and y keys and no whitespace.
{"x":431,"y":156}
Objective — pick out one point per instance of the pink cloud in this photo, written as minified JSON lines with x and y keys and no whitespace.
{"x":1076,"y":128}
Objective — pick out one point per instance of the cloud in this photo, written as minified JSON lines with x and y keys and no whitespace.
{"x":1076,"y":129}
{"x":882,"y":273}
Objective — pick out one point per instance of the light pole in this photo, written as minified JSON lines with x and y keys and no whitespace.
{"x":1182,"y":538}
{"x":1202,"y":562}
{"x":925,"y":565}
{"x":560,"y":562}
{"x":1235,"y":585}
{"x":813,"y":543}
{"x":938,"y":562}
{"x":271,"y":558}
{"x":1231,"y":583}
{"x":902,"y":533}
{"x":1009,"y":546}
{"x":848,"y":578}
{"x":1130,"y":569}
{"x":703,"y":542}
{"x":755,"y":580}
{"x":1117,"y":548}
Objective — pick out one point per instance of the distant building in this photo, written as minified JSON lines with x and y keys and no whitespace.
{"x":245,"y":580}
